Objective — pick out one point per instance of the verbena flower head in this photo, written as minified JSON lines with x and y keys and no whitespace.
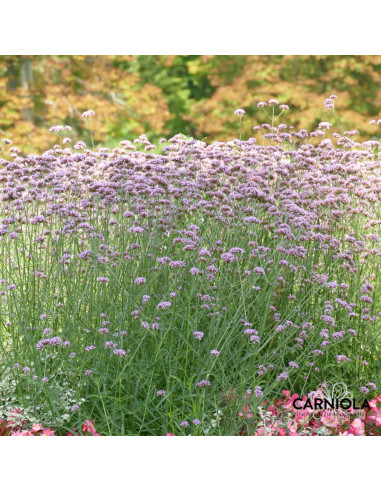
{"x":282,"y":375}
{"x":164,"y":305}
{"x":239,"y":112}
{"x":258,"y":391}
{"x":203,"y":383}
{"x":198,"y":334}
{"x":102,"y":279}
{"x":120,"y":352}
{"x":88,"y":114}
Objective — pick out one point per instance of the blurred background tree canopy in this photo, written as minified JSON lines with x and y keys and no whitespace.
{"x":194,"y":94}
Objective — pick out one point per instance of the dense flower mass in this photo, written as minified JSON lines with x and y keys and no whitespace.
{"x":192,"y":268}
{"x":16,"y":425}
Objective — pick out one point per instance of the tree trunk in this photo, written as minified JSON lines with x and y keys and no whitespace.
{"x":26,"y":82}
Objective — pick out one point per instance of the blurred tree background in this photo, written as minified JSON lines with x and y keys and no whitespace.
{"x":194,"y":94}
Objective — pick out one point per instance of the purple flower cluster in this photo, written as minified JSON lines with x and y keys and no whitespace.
{"x":268,"y":252}
{"x":48,"y":341}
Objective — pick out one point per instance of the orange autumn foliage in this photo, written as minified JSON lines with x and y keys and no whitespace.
{"x":192,"y":94}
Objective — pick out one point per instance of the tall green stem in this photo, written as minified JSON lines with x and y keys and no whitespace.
{"x":91,"y":133}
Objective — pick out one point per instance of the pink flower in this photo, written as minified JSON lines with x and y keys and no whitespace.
{"x":329,"y":419}
{"x":357,"y":427}
{"x":48,"y":432}
{"x":261,"y":431}
{"x":373,"y":404}
{"x":247,"y":412}
{"x":36,"y":427}
{"x":22,"y":433}
{"x":89,"y":427}
{"x":376,"y":418}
